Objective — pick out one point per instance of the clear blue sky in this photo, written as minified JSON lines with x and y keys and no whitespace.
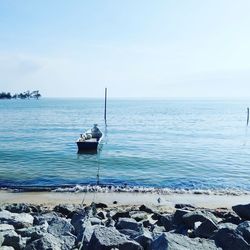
{"x":163,"y":48}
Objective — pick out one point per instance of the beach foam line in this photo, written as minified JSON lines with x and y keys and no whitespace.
{"x":125,"y":189}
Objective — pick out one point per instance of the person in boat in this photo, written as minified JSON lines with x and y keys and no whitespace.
{"x":95,"y":131}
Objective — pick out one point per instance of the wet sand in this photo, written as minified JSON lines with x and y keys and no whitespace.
{"x":123,"y":198}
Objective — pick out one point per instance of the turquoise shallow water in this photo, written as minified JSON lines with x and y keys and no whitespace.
{"x":173,"y":144}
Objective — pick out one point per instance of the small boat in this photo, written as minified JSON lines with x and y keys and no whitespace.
{"x":90,"y":140}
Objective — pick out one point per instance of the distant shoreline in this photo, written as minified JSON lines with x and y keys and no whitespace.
{"x":24,"y":95}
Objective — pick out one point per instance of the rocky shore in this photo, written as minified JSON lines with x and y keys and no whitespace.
{"x":98,"y":226}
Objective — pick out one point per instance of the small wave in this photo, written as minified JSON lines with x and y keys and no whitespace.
{"x":153,"y":190}
{"x":127,"y":189}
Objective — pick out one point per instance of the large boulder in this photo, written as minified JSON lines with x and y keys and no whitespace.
{"x":86,"y":236}
{"x":45,"y":217}
{"x":12,"y":239}
{"x":227,"y":216}
{"x":229,"y":239}
{"x":138,"y":215}
{"x":244,"y":229}
{"x":206,"y":229}
{"x":15,"y":219}
{"x":65,"y":209}
{"x":128,"y":223}
{"x":33,"y":232}
{"x":60,"y":226}
{"x":18,"y":208}
{"x":165,"y":220}
{"x":171,"y":241}
{"x":195,"y":216}
{"x":5,"y":227}
{"x":178,"y":216}
{"x":243,"y":211}
{"x":121,"y":214}
{"x":145,"y":239}
{"x":104,"y":238}
{"x":51,"y":242}
{"x":79,"y":221}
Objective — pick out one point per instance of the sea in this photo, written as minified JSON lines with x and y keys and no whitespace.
{"x":197,"y":146}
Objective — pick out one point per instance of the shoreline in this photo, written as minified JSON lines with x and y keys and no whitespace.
{"x":166,"y":201}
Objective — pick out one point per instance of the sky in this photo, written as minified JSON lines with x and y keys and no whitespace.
{"x":135,"y":48}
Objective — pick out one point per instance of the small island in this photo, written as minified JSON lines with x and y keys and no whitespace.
{"x":25,"y":95}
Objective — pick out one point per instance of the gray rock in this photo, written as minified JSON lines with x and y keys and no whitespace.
{"x":18,"y":208}
{"x":227,"y":216}
{"x":91,"y":210}
{"x":206,"y":229}
{"x":40,"y":219}
{"x":131,"y":234}
{"x":145,"y":239}
{"x":12,"y":239}
{"x":227,"y":225}
{"x":81,"y":230}
{"x":65,"y":209}
{"x":244,"y":229}
{"x":49,"y":241}
{"x":146,"y":209}
{"x":110,"y":223}
{"x":128,"y":223}
{"x":192,"y":217}
{"x":107,"y":238}
{"x":5,"y":227}
{"x":228,"y":239}
{"x":78,"y":221}
{"x":102,"y":215}
{"x":100,"y":205}
{"x":138,"y":215}
{"x":60,"y":226}
{"x":148,"y":224}
{"x":166,"y":221}
{"x":171,"y":241}
{"x":124,"y":214}
{"x":1,"y":239}
{"x":17,"y":220}
{"x":184,"y":206}
{"x":178,"y":216}
{"x":243,"y":211}
{"x":86,"y":236}
{"x":6,"y":248}
{"x":95,"y":221}
{"x":156,"y":216}
{"x":32,"y":232}
{"x":157,"y":231}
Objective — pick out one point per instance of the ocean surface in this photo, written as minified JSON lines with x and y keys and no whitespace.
{"x":179,"y":145}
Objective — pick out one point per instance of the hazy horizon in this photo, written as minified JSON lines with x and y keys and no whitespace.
{"x":162,"y":50}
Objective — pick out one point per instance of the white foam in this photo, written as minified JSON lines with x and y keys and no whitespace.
{"x":140,"y":189}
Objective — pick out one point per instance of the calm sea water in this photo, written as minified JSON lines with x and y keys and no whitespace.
{"x":172,"y":144}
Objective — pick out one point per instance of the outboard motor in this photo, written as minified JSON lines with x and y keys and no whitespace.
{"x":96,"y":133}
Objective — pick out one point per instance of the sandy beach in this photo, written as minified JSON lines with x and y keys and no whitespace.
{"x":167,"y":201}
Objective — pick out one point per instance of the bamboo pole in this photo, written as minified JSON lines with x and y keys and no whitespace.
{"x":105,"y":107}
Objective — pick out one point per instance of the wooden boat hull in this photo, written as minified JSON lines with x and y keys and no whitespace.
{"x":88,"y":145}
{"x":82,"y":146}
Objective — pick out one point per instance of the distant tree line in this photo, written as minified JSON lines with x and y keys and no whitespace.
{"x":25,"y":95}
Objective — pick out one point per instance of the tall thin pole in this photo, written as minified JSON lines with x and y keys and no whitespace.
{"x":247,"y":116}
{"x":105,"y":107}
